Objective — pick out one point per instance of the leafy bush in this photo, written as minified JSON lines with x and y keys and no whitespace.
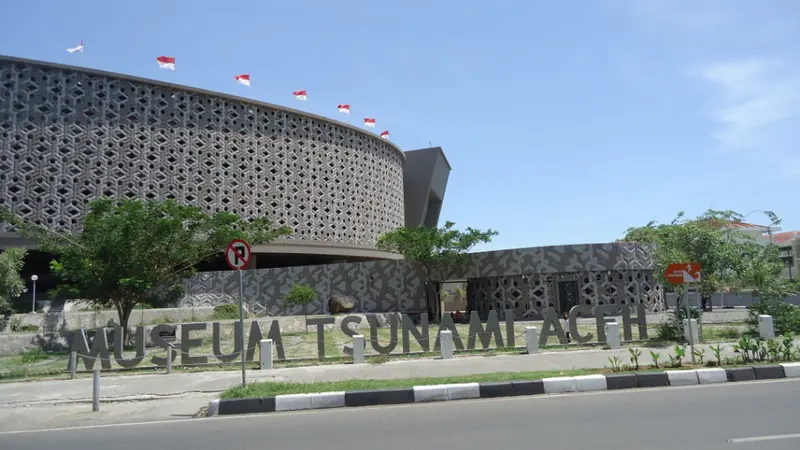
{"x":717,"y":351}
{"x":730,"y":333}
{"x":672,"y":328}
{"x":32,"y":356}
{"x":15,"y":324}
{"x":11,"y":285}
{"x":785,"y":317}
{"x":300,"y":295}
{"x":226,"y":312}
{"x":635,"y":354}
{"x":5,"y":313}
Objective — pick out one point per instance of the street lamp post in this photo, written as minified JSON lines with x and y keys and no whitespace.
{"x":34,"y":278}
{"x":774,"y":220}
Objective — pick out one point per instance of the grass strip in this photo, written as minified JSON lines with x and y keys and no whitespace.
{"x":263,"y":389}
{"x":272,"y":388}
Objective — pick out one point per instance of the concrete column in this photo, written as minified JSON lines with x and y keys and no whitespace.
{"x":73,"y":364}
{"x":96,"y":386}
{"x":612,"y":335}
{"x":532,"y":340}
{"x":691,"y":329}
{"x":358,"y":349}
{"x":766,"y":328}
{"x":169,"y":358}
{"x":446,"y":343}
{"x":265,"y":355}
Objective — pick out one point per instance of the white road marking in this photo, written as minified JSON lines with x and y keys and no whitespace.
{"x":765,"y":438}
{"x":540,"y":397}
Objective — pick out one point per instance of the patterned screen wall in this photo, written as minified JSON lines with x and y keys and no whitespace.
{"x":376,"y":286}
{"x":556,"y":259}
{"x":528,"y":295}
{"x":527,"y":279}
{"x":69,"y":135}
{"x":494,"y":279}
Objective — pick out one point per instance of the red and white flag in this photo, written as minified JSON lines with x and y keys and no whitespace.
{"x":243,"y":79}
{"x":385,"y":134}
{"x":76,"y":49}
{"x":166,"y":62}
{"x":369,"y":122}
{"x":300,"y":95}
{"x":344,"y":109}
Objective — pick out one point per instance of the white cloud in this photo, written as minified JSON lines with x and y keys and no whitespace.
{"x":751,"y":104}
{"x":753,"y":100}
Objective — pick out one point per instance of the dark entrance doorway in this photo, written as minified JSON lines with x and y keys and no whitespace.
{"x":567,"y":295}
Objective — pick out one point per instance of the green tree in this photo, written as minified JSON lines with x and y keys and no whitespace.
{"x":436,"y":251}
{"x":11,"y":285}
{"x":132,"y":251}
{"x":729,"y":257}
{"x":300,"y":295}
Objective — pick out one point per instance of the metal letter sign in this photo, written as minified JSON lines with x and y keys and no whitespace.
{"x":238,"y":254}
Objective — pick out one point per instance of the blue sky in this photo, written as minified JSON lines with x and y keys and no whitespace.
{"x":565,"y":122}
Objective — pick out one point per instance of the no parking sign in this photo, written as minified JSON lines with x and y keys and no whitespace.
{"x":238,"y":254}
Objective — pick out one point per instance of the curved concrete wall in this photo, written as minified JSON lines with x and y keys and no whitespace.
{"x":69,"y":135}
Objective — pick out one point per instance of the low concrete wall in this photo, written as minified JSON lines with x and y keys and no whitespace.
{"x":74,"y":320}
{"x":16,"y":343}
{"x":720,"y":300}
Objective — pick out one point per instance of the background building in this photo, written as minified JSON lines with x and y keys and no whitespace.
{"x":70,"y":135}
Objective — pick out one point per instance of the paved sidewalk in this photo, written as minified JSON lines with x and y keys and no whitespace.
{"x":148,"y":387}
{"x":41,"y":417}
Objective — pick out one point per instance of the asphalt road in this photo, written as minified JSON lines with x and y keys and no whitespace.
{"x":761,"y":415}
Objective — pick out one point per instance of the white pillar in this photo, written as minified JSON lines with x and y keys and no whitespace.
{"x":612,"y":335}
{"x":446,"y":343}
{"x":358,"y":349}
{"x":265,"y":355}
{"x":691,"y":330}
{"x":532,"y":340}
{"x":169,"y":358}
{"x":73,"y":364}
{"x":766,"y":328}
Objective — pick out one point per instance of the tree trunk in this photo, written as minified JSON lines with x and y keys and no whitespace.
{"x":124,"y":313}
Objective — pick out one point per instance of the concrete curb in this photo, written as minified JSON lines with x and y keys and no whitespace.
{"x":450,"y":392}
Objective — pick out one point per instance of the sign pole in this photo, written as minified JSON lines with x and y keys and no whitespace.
{"x":241,"y":324}
{"x":238,"y":255}
{"x":688,"y":323}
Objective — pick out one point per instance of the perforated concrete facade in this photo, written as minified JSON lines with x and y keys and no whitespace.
{"x":70,"y":135}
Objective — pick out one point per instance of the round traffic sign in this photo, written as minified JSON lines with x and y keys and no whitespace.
{"x":238,"y":254}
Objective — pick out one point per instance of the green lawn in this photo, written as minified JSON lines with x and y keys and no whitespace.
{"x":271,"y":389}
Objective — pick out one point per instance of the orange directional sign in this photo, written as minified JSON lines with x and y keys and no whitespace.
{"x":683,"y":273}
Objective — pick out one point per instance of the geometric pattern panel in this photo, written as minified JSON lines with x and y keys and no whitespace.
{"x":376,"y":286}
{"x":384,"y":286}
{"x":526,"y":295}
{"x":642,"y":287}
{"x":556,"y":259}
{"x":529,"y":295}
{"x":69,"y":135}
